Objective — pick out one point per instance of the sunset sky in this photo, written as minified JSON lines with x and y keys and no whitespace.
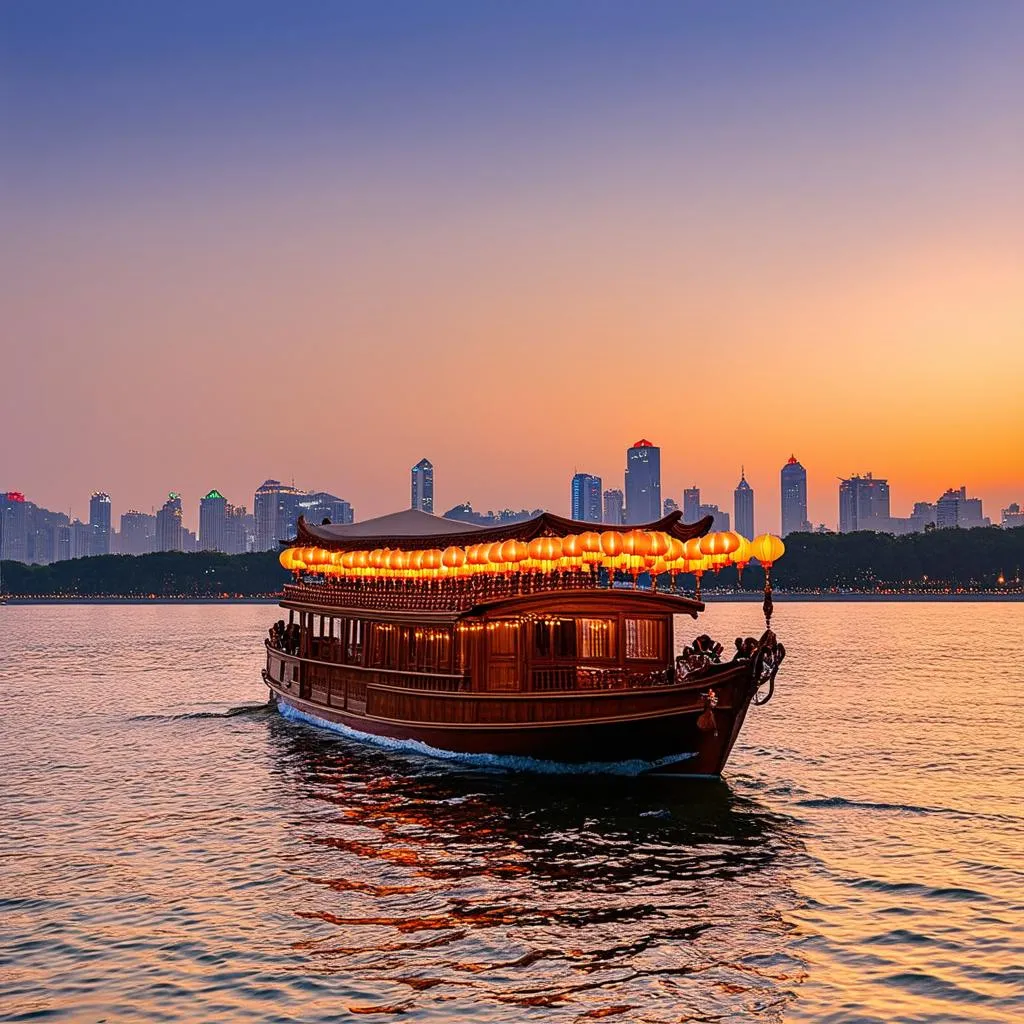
{"x":319,"y":241}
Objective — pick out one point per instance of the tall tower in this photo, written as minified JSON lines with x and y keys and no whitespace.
{"x":691,"y":504}
{"x":99,"y":523}
{"x":213,"y":521}
{"x":276,"y":508}
{"x":585,"y":498}
{"x":743,"y":507}
{"x":643,"y":483}
{"x":794,"y":497}
{"x":423,"y":486}
{"x":614,"y":507}
{"x":169,"y":531}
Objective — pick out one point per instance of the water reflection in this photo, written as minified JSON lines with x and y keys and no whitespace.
{"x":430,"y":885}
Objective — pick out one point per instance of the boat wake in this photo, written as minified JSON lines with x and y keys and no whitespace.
{"x":494,"y":762}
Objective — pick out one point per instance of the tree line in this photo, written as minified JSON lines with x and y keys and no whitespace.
{"x":862,"y":561}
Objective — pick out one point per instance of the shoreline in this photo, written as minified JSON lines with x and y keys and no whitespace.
{"x":709,"y":599}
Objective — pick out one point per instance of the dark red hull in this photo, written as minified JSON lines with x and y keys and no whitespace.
{"x":658,"y":729}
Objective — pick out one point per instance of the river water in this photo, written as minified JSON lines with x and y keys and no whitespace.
{"x":170,"y":850}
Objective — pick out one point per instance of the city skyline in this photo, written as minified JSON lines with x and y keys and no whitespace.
{"x":874,"y":513}
{"x":232,"y":255}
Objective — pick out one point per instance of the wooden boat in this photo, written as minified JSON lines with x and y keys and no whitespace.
{"x":519,"y":641}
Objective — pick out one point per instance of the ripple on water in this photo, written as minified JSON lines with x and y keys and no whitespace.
{"x":175,"y":858}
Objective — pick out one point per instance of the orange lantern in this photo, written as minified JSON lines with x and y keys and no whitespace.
{"x":572,"y":552}
{"x":514,"y":552}
{"x":675,"y":551}
{"x":453,"y":557}
{"x":416,"y":561}
{"x":767,"y":549}
{"x":432,"y":560}
{"x":546,"y":551}
{"x":494,"y":559}
{"x":590,"y":542}
{"x":376,"y":558}
{"x":691,"y":549}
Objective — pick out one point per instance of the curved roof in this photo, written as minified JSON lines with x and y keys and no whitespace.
{"x":423,"y":530}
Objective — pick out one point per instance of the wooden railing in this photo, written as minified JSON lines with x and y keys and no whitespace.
{"x":433,"y":595}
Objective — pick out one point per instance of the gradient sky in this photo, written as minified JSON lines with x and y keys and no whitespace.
{"x":319,"y":241}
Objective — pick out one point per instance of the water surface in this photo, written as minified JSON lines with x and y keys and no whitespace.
{"x":171,"y":850}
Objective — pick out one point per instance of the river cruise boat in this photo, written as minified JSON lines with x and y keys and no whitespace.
{"x":544,"y":642}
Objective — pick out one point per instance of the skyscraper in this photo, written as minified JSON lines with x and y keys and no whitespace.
{"x":743,"y":507}
{"x":691,"y":504}
{"x":275,"y":508}
{"x":614,"y":507}
{"x":138,"y":533}
{"x":794,"y":497}
{"x":99,"y":523}
{"x":863,"y":504}
{"x":586,"y":498}
{"x":720,"y":519}
{"x":213,"y":515}
{"x":423,"y":486}
{"x":319,"y":505}
{"x":168,"y":524}
{"x":643,"y":483}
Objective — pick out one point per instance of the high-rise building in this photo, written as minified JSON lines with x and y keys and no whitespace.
{"x":586,"y":498}
{"x":213,"y":521}
{"x":691,"y":504}
{"x":643,"y":483}
{"x":954,"y":508}
{"x":423,"y":486}
{"x":1012,"y":517}
{"x":169,"y":529}
{"x":720,"y":519}
{"x":319,"y":505}
{"x":138,"y":533}
{"x":614,"y":507}
{"x":743,"y":507}
{"x":99,"y":523}
{"x":864,"y":504}
{"x":668,"y":506}
{"x":14,"y":516}
{"x":239,"y":531}
{"x":794,"y":497}
{"x":276,"y":510}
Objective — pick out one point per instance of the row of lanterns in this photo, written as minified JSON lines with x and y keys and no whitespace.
{"x":635,"y":552}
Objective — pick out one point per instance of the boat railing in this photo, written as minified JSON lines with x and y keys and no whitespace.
{"x":317,"y":669}
{"x":434,"y":595}
{"x":586,"y":677}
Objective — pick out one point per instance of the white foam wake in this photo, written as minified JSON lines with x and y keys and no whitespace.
{"x":504,"y":762}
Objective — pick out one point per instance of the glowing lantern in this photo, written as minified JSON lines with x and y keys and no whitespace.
{"x":741,"y":556}
{"x":767,"y":549}
{"x":545,"y":551}
{"x":719,"y":543}
{"x":376,"y":558}
{"x":611,"y":543}
{"x":590,"y":543}
{"x":362,"y":561}
{"x":416,"y":561}
{"x":572,"y":552}
{"x":476,"y":555}
{"x":398,"y":561}
{"x":432,"y":560}
{"x":453,"y":557}
{"x":514,"y":552}
{"x":348,"y":560}
{"x":691,"y":549}
{"x":661,"y":544}
{"x":494,"y":559}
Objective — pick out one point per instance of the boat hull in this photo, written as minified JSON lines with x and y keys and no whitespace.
{"x":661,"y":729}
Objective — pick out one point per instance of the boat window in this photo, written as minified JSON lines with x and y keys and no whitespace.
{"x":554,"y":638}
{"x":502,"y":635}
{"x":596,"y":638}
{"x":645,"y":638}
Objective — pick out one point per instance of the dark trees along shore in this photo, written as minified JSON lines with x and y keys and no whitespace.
{"x":969,"y":559}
